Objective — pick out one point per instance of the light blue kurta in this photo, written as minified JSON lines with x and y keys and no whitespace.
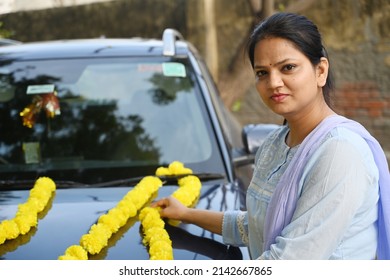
{"x":337,"y":207}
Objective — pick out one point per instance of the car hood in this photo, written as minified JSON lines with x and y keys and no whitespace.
{"x":71,"y":212}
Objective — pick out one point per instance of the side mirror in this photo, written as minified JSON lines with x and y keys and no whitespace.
{"x":253,"y":136}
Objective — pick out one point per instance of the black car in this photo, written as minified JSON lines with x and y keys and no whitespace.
{"x":96,"y":116}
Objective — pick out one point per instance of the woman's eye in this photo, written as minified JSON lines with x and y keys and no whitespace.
{"x":260,"y":73}
{"x":289,"y":67}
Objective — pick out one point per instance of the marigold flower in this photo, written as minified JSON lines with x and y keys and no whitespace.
{"x":152,"y":182}
{"x":47,"y":183}
{"x":191,"y":182}
{"x":153,"y":234}
{"x":111,"y":221}
{"x":10,"y":228}
{"x":127,"y":207}
{"x":26,"y":209}
{"x":26,"y":222}
{"x":148,"y":211}
{"x":162,"y":171}
{"x":161,"y":250}
{"x":74,"y":252}
{"x":36,"y":204}
{"x":94,"y":242}
{"x":118,"y":215}
{"x":177,"y":168}
{"x":189,"y":190}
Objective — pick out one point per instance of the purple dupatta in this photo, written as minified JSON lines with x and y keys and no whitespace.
{"x":283,"y":202}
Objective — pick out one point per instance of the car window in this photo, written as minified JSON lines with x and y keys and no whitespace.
{"x":89,"y":114}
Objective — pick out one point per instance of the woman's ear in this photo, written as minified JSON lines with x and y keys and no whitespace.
{"x":322,"y":71}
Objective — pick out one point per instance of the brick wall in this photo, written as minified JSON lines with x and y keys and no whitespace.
{"x":364,"y":102}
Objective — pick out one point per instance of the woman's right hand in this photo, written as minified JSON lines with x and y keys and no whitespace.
{"x":173,"y":209}
{"x":170,"y":208}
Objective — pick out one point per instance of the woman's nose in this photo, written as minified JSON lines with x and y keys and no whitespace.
{"x":275,"y":80}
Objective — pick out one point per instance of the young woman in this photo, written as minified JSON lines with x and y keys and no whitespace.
{"x":320,"y":188}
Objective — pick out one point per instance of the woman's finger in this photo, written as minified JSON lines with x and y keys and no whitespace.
{"x":163,"y":202}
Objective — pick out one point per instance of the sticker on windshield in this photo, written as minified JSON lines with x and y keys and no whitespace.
{"x":40,"y":89}
{"x":31,"y":152}
{"x":174,"y":69}
{"x":149,"y":67}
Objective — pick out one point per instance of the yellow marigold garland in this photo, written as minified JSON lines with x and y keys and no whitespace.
{"x":155,"y":236}
{"x":27,"y":214}
{"x":97,"y":237}
{"x":189,"y":190}
{"x":75,"y":252}
{"x":174,"y":168}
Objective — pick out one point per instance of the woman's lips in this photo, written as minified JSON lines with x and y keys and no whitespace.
{"x":278,"y":97}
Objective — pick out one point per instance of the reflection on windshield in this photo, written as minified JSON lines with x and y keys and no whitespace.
{"x":78,"y":115}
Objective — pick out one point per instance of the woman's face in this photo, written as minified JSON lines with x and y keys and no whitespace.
{"x":285,"y":78}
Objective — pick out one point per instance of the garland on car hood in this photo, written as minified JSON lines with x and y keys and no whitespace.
{"x":26,"y":216}
{"x":155,"y":236}
{"x":97,"y":237}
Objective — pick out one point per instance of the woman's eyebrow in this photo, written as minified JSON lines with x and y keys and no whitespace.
{"x":276,"y":64}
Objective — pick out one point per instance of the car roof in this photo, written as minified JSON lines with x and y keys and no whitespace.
{"x":171,"y":45}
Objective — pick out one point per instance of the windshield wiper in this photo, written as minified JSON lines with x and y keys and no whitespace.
{"x":28,"y":184}
{"x":202,"y":176}
{"x":166,"y":179}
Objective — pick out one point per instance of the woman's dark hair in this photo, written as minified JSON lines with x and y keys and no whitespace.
{"x":299,"y":30}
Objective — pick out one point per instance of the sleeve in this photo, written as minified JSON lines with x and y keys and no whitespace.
{"x":235,"y":223}
{"x":235,"y":228}
{"x":335,"y":184}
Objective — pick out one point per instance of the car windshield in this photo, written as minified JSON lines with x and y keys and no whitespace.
{"x":93,"y":120}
